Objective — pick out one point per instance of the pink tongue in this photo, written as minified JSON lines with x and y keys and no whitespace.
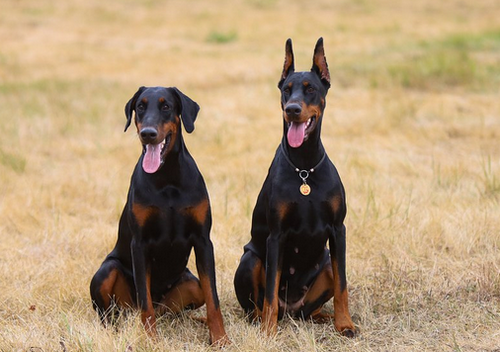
{"x":151,"y":161}
{"x":296,"y":134}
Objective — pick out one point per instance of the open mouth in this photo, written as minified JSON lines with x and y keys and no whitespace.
{"x":298,"y":132}
{"x":154,"y":155}
{"x":310,"y":126}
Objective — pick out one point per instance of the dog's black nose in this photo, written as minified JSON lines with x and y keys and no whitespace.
{"x":293,"y":110}
{"x":148,"y":134}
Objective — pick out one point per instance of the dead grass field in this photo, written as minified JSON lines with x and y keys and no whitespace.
{"x":412,"y":124}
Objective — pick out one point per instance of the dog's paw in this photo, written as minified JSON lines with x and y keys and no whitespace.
{"x":221,"y":342}
{"x":349,"y":332}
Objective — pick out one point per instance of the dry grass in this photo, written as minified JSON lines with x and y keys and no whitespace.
{"x":412,"y":123}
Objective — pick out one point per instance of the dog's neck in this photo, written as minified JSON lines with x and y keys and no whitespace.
{"x":309,"y":153}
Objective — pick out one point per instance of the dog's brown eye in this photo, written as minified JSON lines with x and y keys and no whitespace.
{"x":286,"y":91}
{"x":165,"y":107}
{"x":310,"y":89}
{"x":140,"y":107}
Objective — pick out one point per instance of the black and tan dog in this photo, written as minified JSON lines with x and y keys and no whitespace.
{"x":167,"y":214}
{"x":286,"y":267}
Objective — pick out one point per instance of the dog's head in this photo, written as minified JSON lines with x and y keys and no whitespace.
{"x":158,"y":115}
{"x":303,"y":95}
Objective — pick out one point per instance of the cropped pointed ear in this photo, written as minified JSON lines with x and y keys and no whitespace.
{"x":288,"y":66}
{"x":130,"y":106}
{"x":320,"y":67}
{"x":189,"y":110}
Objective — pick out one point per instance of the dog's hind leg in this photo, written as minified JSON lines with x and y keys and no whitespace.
{"x":109,"y":287}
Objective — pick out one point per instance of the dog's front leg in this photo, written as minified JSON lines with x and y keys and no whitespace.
{"x":273,"y":276}
{"x":142,"y":280}
{"x":343,"y":321}
{"x":205,"y":265}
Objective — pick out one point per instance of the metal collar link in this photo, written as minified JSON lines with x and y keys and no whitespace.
{"x":304,"y":189}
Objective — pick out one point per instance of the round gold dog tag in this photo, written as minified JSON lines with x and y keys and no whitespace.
{"x":305,"y":189}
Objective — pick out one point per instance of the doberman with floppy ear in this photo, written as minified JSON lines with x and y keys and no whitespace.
{"x":167,"y":214}
{"x":286,"y":268}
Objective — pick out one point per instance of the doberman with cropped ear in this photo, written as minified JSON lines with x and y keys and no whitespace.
{"x":167,"y":214}
{"x":286,"y":268}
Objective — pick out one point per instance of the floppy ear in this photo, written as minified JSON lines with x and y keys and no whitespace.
{"x":288,"y":66}
{"x":130,"y":106}
{"x":189,"y":110}
{"x":320,"y":67}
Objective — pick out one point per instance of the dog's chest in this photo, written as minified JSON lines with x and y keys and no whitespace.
{"x":304,"y":221}
{"x":170,"y":223}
